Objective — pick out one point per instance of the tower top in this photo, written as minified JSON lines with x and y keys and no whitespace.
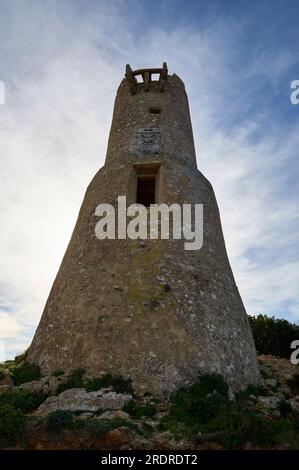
{"x":146,"y":75}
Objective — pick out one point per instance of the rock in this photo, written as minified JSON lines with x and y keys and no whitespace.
{"x":212,"y":436}
{"x":47,"y":384}
{"x":160,"y":415}
{"x":286,"y":374}
{"x":84,"y":416}
{"x":5,"y":378}
{"x":288,"y":377}
{"x":159,"y":441}
{"x":268,"y":403}
{"x":286,"y":391}
{"x":52,"y":383}
{"x":6,"y":388}
{"x":118,"y":414}
{"x":295,"y":405}
{"x":118,"y":438}
{"x":270,"y":383}
{"x":154,"y":304}
{"x":77,"y":399}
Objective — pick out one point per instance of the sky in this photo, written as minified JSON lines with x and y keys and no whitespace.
{"x":61,"y":63}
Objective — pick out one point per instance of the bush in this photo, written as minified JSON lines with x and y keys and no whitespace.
{"x":136,"y":411}
{"x":75,"y":381}
{"x":194,"y":407}
{"x":273,"y":336}
{"x":59,"y":420}
{"x":23,"y":400}
{"x":119,"y":383}
{"x":11,"y":424}
{"x":24,"y":372}
{"x":203,"y":408}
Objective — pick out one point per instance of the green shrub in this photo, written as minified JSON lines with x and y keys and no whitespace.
{"x":11,"y":424}
{"x":59,"y":420}
{"x":99,"y":428}
{"x":199,"y":408}
{"x":119,"y":383}
{"x":284,"y":407}
{"x":138,"y":411}
{"x":57,"y":373}
{"x":194,"y":407}
{"x":75,"y":380}
{"x":272,"y":335}
{"x":7,"y":365}
{"x":24,"y":372}
{"x":23,"y":400}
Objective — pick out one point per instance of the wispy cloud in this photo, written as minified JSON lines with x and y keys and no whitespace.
{"x":62,"y":64}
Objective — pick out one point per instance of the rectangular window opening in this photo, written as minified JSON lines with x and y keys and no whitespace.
{"x":146,"y":188}
{"x":155,"y":110}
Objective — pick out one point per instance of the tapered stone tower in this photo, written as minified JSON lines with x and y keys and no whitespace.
{"x":147,"y":309}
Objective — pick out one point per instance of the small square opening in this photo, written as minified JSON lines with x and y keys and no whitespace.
{"x":155,"y":110}
{"x":155,"y":77}
{"x":139,"y":78}
{"x":146,"y":188}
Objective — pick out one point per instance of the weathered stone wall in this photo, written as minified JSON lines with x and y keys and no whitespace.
{"x":147,"y":309}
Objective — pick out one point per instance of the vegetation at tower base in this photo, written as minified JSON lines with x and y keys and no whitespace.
{"x":199,"y":416}
{"x":11,"y":423}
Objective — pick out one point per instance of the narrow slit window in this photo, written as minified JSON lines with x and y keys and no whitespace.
{"x":146,"y":187}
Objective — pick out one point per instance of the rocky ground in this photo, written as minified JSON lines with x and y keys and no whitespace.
{"x":73,"y":412}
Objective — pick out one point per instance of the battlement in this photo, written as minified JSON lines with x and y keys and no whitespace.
{"x":147,"y":78}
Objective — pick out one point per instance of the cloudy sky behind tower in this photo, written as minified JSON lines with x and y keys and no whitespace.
{"x":61,"y":62}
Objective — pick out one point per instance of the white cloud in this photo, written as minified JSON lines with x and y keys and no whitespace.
{"x":62,"y":72}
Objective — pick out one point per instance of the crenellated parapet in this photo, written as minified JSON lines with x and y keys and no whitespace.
{"x":147,"y":78}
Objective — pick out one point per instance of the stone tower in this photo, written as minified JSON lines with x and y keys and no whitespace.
{"x":147,"y":309}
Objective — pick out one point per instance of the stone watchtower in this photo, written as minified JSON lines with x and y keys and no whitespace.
{"x":147,"y":309}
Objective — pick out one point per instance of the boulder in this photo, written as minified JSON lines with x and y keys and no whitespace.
{"x":47,"y":384}
{"x":78,"y":399}
{"x":85,"y":416}
{"x":270,"y":382}
{"x":6,"y":388}
{"x":267,"y":403}
{"x":118,"y":414}
{"x":34,"y":386}
{"x":295,"y":404}
{"x":5,"y":378}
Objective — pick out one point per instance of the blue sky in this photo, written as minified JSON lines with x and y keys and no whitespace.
{"x":61,"y":63}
